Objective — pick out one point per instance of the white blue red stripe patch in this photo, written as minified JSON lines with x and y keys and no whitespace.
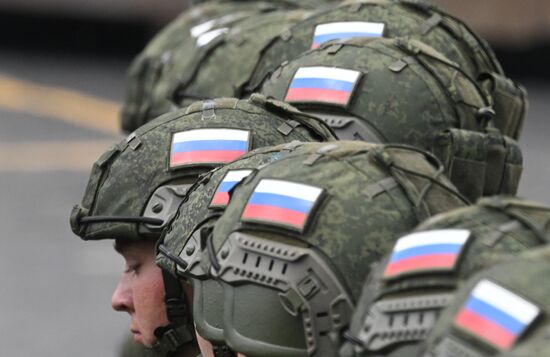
{"x":346,"y":30}
{"x":208,"y":146}
{"x":496,"y":315}
{"x":282,"y":203}
{"x":327,"y":85}
{"x":230,"y":180}
{"x":427,"y":251}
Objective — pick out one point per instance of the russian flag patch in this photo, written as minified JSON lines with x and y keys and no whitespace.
{"x":230,"y":180}
{"x":495,"y":315}
{"x":208,"y":146}
{"x":327,"y":85}
{"x":346,"y":30}
{"x":429,"y":251}
{"x":282,"y":203}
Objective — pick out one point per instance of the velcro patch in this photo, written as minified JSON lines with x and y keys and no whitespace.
{"x":495,"y":315}
{"x":428,"y":251}
{"x":282,"y":203}
{"x":326,"y":85}
{"x":230,"y":180}
{"x":346,"y":30}
{"x":208,"y":146}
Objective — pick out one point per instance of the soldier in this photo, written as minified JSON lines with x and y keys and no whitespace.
{"x":180,"y":47}
{"x":135,"y":188}
{"x":502,"y":311}
{"x":414,"y":19}
{"x":403,"y":91}
{"x":405,"y":294}
{"x":320,"y":215}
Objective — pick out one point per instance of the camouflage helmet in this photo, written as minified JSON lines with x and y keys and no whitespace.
{"x":403,"y":91}
{"x":148,"y":78}
{"x":502,"y":311}
{"x":405,"y":294}
{"x":181,"y":247}
{"x":174,"y":51}
{"x":385,"y":90}
{"x":135,"y":187}
{"x":290,"y":245}
{"x":414,"y":19}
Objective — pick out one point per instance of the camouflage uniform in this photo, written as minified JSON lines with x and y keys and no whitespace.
{"x":502,"y":311}
{"x":136,"y":186}
{"x":414,"y":19}
{"x":405,"y":294}
{"x":178,"y":48}
{"x":402,"y":187}
{"x":404,"y":91}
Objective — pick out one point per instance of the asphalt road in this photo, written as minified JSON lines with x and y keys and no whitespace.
{"x":55,"y":289}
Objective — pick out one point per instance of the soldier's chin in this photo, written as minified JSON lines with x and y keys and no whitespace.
{"x":138,"y":338}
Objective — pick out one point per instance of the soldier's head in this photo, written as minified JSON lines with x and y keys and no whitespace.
{"x":501,"y":311}
{"x":403,"y":91}
{"x":295,"y":237}
{"x":181,"y":249}
{"x":382,"y":90}
{"x":135,"y":188}
{"x":405,"y":294}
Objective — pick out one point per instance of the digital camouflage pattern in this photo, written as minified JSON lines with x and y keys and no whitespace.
{"x":500,"y":228}
{"x":373,"y":193}
{"x":414,"y":19}
{"x":525,"y":276}
{"x":175,"y":51}
{"x":480,"y":164}
{"x":224,"y":66}
{"x":410,"y":93}
{"x":183,"y":240}
{"x":125,"y":177}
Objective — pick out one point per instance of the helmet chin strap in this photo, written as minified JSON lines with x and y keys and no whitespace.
{"x":179,"y":332}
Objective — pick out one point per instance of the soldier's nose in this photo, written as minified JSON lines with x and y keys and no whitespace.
{"x":122,"y":297}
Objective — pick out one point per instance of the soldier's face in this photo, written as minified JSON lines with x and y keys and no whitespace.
{"x":140,"y":291}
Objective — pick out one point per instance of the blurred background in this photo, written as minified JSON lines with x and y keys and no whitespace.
{"x":62,"y":77}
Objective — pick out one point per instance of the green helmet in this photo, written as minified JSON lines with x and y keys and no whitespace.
{"x":403,"y":91}
{"x":300,"y":232}
{"x":180,"y":249}
{"x":415,"y":19}
{"x":135,"y":187}
{"x":405,"y":294}
{"x":180,"y":50}
{"x":502,"y":311}
{"x":148,"y":81}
